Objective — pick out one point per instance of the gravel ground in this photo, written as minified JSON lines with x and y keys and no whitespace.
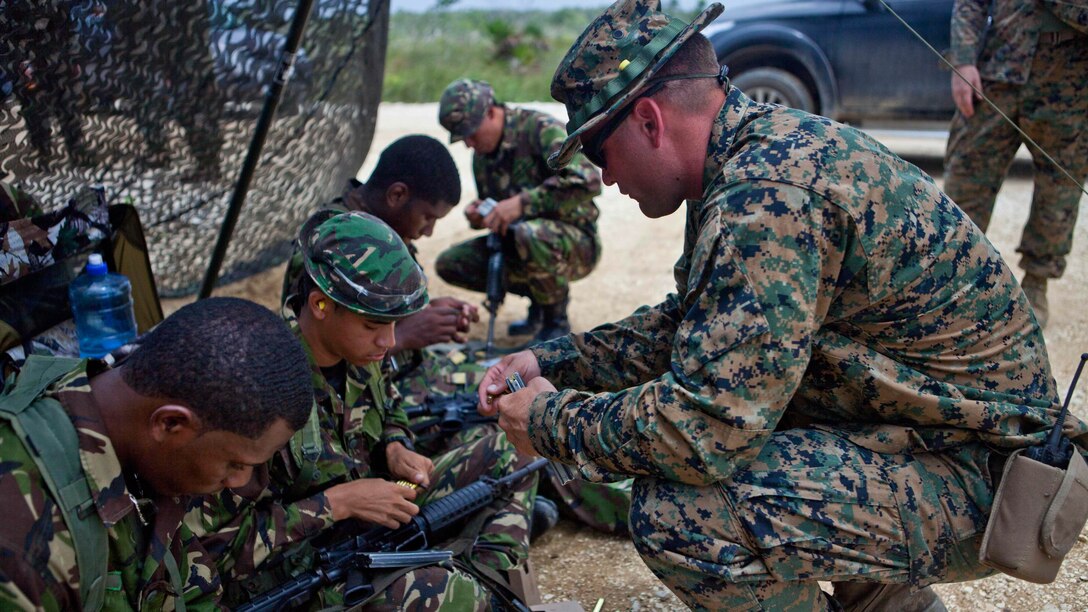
{"x":575,"y":563}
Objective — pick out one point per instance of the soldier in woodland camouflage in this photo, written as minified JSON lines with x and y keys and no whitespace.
{"x":547,"y":218}
{"x":360,"y":280}
{"x":1030,"y":57}
{"x":835,"y":385}
{"x":216,"y":388}
{"x":414,"y":184}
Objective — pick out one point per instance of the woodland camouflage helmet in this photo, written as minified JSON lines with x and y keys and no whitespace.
{"x":361,"y":263}
{"x":463,"y":107}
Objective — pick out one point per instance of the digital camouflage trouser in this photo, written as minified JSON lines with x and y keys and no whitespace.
{"x":1052,"y":108}
{"x":815,"y":506}
{"x":543,"y":256}
{"x":448,"y":369}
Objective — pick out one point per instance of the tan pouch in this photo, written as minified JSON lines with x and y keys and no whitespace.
{"x":1038,"y":513}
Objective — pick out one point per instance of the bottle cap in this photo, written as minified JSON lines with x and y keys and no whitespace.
{"x":95,"y":265}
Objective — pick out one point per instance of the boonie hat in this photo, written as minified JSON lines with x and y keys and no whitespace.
{"x":463,"y":106}
{"x":612,"y":60}
{"x":361,"y":263}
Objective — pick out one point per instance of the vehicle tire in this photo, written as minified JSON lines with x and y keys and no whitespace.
{"x":775,"y":86}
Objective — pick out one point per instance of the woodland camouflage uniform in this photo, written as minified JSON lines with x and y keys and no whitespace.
{"x":556,"y":240}
{"x":845,"y":360}
{"x":1033,"y":66}
{"x":38,"y":568}
{"x":450,"y":369}
{"x":263,"y":532}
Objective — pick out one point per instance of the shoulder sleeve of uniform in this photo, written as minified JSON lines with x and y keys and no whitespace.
{"x":736,"y":356}
{"x":969,"y":19}
{"x":35,"y":565}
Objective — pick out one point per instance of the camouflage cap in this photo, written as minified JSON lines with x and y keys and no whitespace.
{"x":361,"y":263}
{"x":463,"y":106}
{"x":612,"y":60}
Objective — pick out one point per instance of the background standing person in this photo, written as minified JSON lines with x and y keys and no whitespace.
{"x":833,"y":389}
{"x":214,"y":390}
{"x":547,"y":218}
{"x":1034,"y":66}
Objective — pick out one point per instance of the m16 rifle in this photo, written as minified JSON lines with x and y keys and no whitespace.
{"x":351,"y":559}
{"x":496,"y":276}
{"x":450,"y":414}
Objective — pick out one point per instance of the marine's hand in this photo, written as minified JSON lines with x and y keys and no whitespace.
{"x":494,"y":380}
{"x":962,"y":94}
{"x":475,"y":219}
{"x":469,"y":312}
{"x":514,"y":413}
{"x":373,"y":500}
{"x":506,"y":212}
{"x":435,"y":323}
{"x":408,"y":464}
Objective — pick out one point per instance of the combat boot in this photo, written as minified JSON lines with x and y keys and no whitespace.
{"x":545,"y":516}
{"x":1034,"y":287}
{"x":890,"y":597}
{"x":529,"y":325}
{"x":554,"y":322}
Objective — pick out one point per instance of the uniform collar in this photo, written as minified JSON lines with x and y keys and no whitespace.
{"x":723,"y":134}
{"x":96,"y":452}
{"x":509,"y":134}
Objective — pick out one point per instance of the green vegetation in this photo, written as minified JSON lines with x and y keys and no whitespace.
{"x":516,"y":52}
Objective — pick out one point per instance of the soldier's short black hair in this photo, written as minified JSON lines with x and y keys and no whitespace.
{"x":232,"y":362}
{"x":423,"y":164}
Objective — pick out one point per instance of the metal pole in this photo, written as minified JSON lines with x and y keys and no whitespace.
{"x":271,"y":101}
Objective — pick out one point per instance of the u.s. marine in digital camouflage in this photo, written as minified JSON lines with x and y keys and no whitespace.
{"x":842,"y":370}
{"x":1031,"y":63}
{"x":362,"y":280}
{"x":548,"y":218}
{"x":142,"y":456}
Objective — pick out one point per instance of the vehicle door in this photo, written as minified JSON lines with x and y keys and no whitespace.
{"x":883,"y":70}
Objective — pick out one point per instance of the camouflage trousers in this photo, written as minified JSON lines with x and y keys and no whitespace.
{"x":448,"y":369}
{"x":1052,"y":108}
{"x":815,"y":506}
{"x":502,"y":544}
{"x":543,"y":256}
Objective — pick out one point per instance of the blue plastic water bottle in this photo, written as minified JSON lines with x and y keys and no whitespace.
{"x":102,"y":304}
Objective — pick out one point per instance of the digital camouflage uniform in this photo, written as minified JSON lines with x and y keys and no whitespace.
{"x":556,"y":240}
{"x":38,"y":569}
{"x":821,"y":397}
{"x":269,"y":522}
{"x":1033,"y":66}
{"x":450,"y":369}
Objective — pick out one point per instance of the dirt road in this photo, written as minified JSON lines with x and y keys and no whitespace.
{"x":635,"y":269}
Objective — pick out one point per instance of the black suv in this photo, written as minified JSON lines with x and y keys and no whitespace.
{"x":850,"y":60}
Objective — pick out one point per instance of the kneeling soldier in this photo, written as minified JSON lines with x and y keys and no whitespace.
{"x":360,"y":280}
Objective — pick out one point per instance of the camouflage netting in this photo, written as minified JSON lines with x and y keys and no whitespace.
{"x":157,"y":101}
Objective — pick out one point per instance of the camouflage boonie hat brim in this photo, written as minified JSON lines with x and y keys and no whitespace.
{"x":463,"y":107}
{"x":361,"y":263}
{"x":612,"y":60}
